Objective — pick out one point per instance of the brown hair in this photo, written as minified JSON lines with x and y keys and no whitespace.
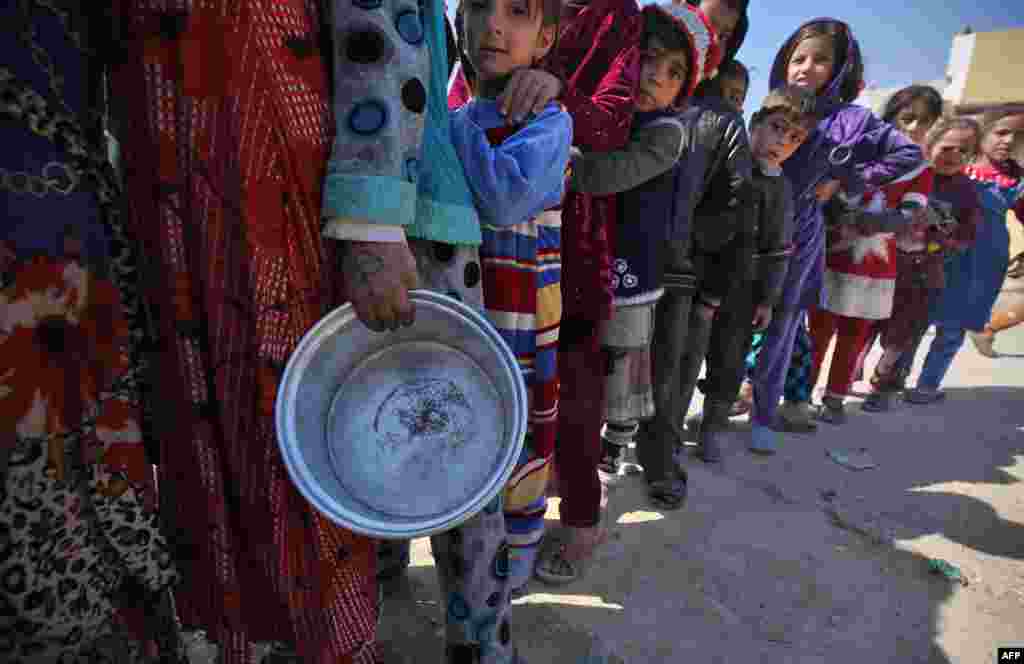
{"x":989,"y":120}
{"x":839,"y":35}
{"x":794,"y":102}
{"x":551,"y":14}
{"x":945,"y":125}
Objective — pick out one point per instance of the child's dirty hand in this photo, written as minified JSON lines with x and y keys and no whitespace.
{"x":527,"y":93}
{"x":826,"y":190}
{"x":378,"y":278}
{"x":762,"y":317}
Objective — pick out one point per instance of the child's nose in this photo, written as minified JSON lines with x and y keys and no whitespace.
{"x":494,"y":23}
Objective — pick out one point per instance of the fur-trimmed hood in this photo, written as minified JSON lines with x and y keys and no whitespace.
{"x":705,"y":50}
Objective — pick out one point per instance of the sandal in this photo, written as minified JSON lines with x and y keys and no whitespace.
{"x":558,"y":565}
{"x":668,"y":494}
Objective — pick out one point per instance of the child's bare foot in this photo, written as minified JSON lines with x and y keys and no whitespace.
{"x":564,"y":559}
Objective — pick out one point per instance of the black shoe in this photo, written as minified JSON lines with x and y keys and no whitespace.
{"x":611,"y":457}
{"x":878,"y":402}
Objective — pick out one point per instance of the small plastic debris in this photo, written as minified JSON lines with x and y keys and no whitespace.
{"x":858,"y":460}
{"x":946,"y":569}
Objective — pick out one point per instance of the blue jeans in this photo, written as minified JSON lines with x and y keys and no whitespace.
{"x":945,"y":345}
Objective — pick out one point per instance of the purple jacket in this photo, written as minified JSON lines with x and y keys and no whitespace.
{"x":870,"y":152}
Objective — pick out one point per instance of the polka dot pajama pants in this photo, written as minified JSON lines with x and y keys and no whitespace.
{"x":473,"y":561}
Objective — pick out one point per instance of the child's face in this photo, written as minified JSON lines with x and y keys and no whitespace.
{"x":663,"y":74}
{"x":775,"y":138}
{"x":504,"y":35}
{"x":734,"y":91}
{"x":723,"y":17}
{"x":950,"y":153}
{"x":915,"y":121}
{"x":1001,"y":141}
{"x":812,"y":64}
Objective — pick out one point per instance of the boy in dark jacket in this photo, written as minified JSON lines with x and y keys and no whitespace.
{"x":679,"y":48}
{"x":711,"y":182}
{"x":776,"y":131}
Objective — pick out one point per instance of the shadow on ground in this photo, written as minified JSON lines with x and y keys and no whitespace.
{"x":738,"y":575}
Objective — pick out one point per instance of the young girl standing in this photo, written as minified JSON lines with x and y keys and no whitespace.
{"x":597,"y":62}
{"x":516,"y":172}
{"x":973,"y":278}
{"x":860,"y":280}
{"x":849,"y":146}
{"x":919,"y":257}
{"x":948,"y":144}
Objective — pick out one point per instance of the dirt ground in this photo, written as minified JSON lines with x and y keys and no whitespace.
{"x":795,"y":559}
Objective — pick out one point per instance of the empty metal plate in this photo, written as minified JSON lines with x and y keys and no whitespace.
{"x":402,"y":434}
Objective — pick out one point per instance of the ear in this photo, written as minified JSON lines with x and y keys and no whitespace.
{"x":545,"y":40}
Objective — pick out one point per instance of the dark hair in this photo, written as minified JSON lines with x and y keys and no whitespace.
{"x":739,"y":34}
{"x":910,"y":94}
{"x":796,"y":103}
{"x":732,"y":69}
{"x":945,"y":125}
{"x":662,"y":26}
{"x":551,"y":14}
{"x":841,"y":39}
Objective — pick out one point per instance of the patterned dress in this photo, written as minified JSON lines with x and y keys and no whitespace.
{"x":78,"y":523}
{"x":227,"y":132}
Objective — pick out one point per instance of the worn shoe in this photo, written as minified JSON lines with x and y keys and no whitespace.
{"x":832,"y":411}
{"x":878,"y":401}
{"x":763,"y":440}
{"x":796,"y":418}
{"x":984,"y":342}
{"x":611,"y":457}
{"x":923,"y":395}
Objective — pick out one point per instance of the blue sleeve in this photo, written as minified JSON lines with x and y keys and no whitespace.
{"x":524,"y":175}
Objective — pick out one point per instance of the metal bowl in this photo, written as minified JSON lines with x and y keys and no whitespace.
{"x":402,"y":434}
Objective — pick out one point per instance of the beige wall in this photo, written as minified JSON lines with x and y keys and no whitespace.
{"x":986,"y":68}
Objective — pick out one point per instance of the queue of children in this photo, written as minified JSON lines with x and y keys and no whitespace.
{"x":681,"y":237}
{"x":590,"y":185}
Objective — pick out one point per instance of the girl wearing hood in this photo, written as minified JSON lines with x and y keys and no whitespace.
{"x":850,"y":148}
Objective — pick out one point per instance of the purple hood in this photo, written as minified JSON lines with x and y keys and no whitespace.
{"x":850,"y":145}
{"x":831,"y":97}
